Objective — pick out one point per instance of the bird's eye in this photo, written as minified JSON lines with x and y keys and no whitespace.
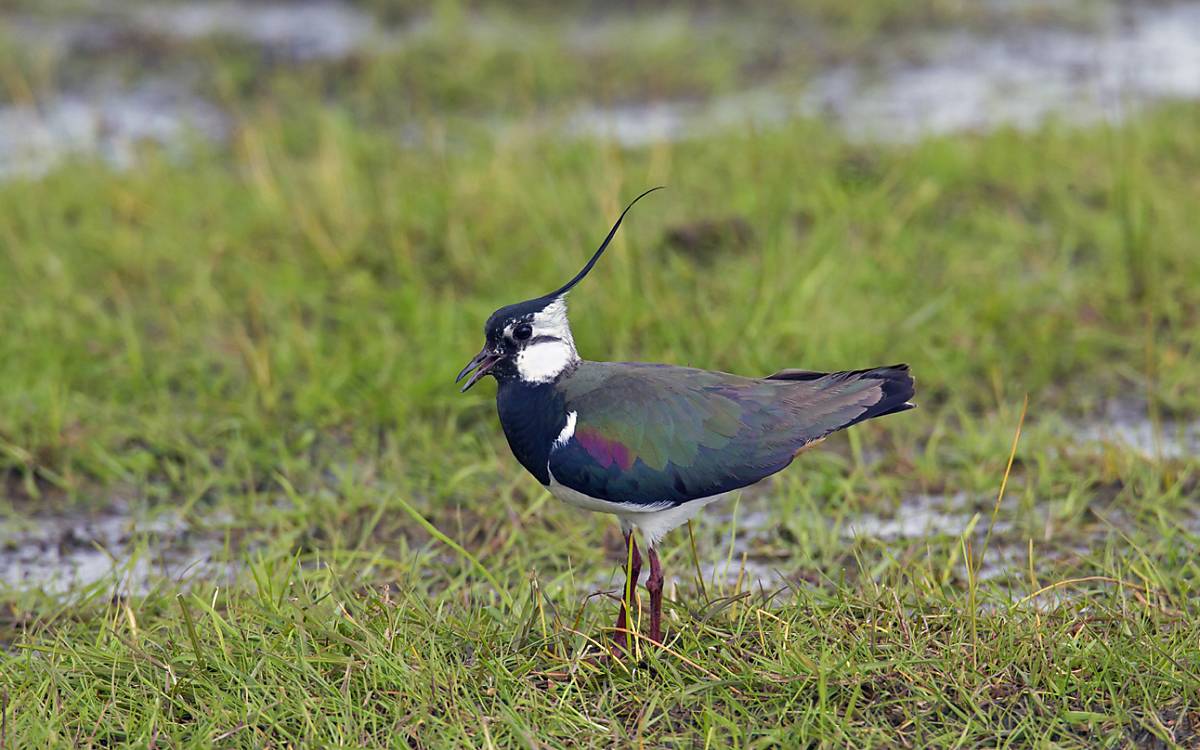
{"x":522,"y":332}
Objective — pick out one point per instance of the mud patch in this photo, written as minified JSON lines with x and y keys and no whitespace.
{"x":749,"y":550}
{"x":643,"y":124}
{"x":967,"y":82}
{"x":127,"y":553}
{"x":1130,"y":427}
{"x":920,"y":516}
{"x":110,"y":123}
{"x":956,"y":81}
{"x":298,"y":31}
{"x":913,"y":85}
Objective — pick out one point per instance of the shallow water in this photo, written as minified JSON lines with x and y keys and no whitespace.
{"x":1130,"y":427}
{"x":742,"y":544}
{"x":971,"y":82}
{"x":108,"y":122}
{"x":301,"y":31}
{"x":920,"y":516}
{"x":961,"y":81}
{"x":117,"y":548}
{"x":914,"y":85}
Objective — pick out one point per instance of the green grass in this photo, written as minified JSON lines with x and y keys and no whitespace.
{"x":263,"y":338}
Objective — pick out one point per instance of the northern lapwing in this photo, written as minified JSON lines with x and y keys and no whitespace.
{"x":650,"y":443}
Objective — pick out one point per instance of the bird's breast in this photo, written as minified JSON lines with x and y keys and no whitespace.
{"x":533,"y":416}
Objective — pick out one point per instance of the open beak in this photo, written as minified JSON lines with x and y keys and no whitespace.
{"x":483,"y":361}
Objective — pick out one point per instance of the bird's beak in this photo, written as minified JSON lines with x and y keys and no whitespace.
{"x":485,"y":360}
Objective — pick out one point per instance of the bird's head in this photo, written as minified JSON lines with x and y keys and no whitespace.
{"x":531,"y":340}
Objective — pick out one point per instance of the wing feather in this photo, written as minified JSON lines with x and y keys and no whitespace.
{"x":650,"y":434}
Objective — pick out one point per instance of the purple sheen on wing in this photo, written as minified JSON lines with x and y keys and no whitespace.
{"x":606,"y":452}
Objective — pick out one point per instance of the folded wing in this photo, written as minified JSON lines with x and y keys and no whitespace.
{"x":659,"y":435}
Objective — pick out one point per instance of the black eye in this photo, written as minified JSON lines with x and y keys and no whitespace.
{"x":522,"y":332}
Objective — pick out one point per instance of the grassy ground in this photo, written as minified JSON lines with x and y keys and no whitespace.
{"x":263,"y":339}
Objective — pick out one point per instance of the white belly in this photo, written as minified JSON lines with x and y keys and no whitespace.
{"x":653,"y":520}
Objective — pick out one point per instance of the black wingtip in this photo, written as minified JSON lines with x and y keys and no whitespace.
{"x":895,"y":381}
{"x":898,"y":385}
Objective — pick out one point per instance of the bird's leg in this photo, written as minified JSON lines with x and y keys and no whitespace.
{"x":654,"y":584}
{"x":629,"y":590}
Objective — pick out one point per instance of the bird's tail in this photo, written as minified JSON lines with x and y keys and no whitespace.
{"x":895,"y":383}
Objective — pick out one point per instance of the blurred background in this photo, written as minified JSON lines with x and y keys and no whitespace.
{"x":246,"y":246}
{"x":105,"y":80}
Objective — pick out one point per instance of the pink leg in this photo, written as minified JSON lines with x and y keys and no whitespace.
{"x":654,"y":584}
{"x":628,"y":591}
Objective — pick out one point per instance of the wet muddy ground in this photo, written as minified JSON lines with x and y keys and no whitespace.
{"x":915,"y":83}
{"x":122,"y":550}
{"x":745,"y":544}
{"x":750,"y":545}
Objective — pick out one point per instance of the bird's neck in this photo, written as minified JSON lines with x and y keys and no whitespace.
{"x":532,"y":415}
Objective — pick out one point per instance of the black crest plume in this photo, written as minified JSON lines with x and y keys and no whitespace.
{"x":603,"y":246}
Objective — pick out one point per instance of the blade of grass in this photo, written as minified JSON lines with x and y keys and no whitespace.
{"x":437,"y":534}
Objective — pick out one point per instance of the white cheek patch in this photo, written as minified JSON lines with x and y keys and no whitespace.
{"x":544,"y":361}
{"x":552,"y":348}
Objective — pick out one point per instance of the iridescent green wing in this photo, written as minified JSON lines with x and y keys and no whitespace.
{"x":655,"y":434}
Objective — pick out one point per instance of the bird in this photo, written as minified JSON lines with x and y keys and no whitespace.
{"x":653,"y":444}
